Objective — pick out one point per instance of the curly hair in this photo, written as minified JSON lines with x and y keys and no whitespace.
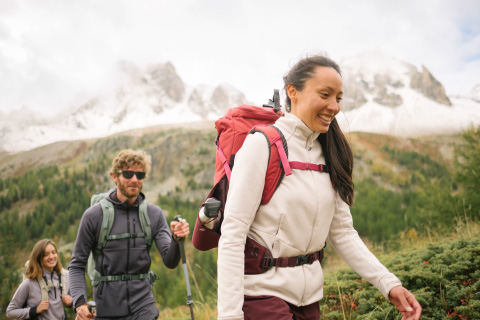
{"x":128,"y":158}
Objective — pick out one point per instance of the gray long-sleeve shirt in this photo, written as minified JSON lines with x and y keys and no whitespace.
{"x":29,"y":293}
{"x":118,"y":257}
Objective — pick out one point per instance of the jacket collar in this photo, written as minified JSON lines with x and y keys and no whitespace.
{"x":112,"y":197}
{"x":295,"y":126}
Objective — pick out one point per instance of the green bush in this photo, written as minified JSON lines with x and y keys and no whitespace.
{"x":443,"y":276}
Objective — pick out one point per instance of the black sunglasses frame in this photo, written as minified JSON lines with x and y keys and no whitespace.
{"x":128,"y":174}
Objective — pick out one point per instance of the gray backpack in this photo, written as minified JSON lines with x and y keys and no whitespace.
{"x":107,"y":223}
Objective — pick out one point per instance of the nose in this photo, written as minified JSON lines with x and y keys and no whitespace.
{"x":334,"y":106}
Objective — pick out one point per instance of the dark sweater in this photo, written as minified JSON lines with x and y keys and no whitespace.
{"x":123,"y":256}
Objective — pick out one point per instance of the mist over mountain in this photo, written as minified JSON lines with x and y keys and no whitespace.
{"x":381,"y":95}
{"x":133,"y":98}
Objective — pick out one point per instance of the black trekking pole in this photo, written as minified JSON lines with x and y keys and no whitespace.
{"x":185,"y":271}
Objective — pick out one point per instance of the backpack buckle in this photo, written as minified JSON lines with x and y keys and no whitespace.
{"x":301,"y":260}
{"x":266,"y":262}
{"x":125,"y":277}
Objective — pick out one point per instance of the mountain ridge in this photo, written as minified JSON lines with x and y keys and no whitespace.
{"x":382,"y":95}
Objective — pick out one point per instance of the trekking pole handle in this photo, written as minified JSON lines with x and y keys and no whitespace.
{"x":178,"y":218}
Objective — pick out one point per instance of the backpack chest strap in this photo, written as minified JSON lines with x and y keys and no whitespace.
{"x":309,"y":166}
{"x":125,"y":236}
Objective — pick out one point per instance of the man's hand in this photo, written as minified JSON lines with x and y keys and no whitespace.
{"x":405,"y":302}
{"x":42,"y":306}
{"x":67,"y":300}
{"x":179,"y":229}
{"x":84,"y":314}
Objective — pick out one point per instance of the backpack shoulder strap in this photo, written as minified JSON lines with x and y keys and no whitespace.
{"x":107,"y":223}
{"x":278,"y":165}
{"x":62,"y":283}
{"x":43,"y":288}
{"x":145,"y":222}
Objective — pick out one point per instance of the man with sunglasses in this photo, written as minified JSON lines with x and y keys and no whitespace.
{"x":124,"y":262}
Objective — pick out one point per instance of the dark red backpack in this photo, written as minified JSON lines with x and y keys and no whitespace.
{"x":232,"y":130}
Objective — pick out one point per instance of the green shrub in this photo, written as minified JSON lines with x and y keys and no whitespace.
{"x":443,"y":276}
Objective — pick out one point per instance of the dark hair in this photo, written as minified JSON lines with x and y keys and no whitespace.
{"x":335,"y":146}
{"x":34,"y":264}
{"x":304,"y":70}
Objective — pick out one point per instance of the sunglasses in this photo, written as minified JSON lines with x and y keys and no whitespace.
{"x":127,"y":174}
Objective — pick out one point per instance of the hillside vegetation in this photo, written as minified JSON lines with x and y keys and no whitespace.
{"x":406,"y":190}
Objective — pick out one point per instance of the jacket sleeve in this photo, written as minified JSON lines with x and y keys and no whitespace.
{"x":86,"y":240}
{"x":244,"y":196}
{"x":167,"y":247}
{"x":347,"y":243}
{"x":15,"y":309}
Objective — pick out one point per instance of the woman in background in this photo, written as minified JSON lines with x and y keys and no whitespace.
{"x":44,"y":272}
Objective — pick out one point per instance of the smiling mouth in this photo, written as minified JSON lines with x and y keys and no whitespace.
{"x":326,"y":117}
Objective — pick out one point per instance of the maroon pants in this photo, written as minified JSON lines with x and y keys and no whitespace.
{"x":273,"y":308}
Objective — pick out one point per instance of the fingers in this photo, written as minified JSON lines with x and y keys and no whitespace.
{"x":67,"y":300}
{"x":42,"y":306}
{"x":406,"y":303}
{"x":84,"y":314}
{"x":180,"y":229}
{"x":417,"y":308}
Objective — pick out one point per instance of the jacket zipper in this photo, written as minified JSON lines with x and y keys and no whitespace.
{"x":134,"y":231}
{"x":128,"y":260}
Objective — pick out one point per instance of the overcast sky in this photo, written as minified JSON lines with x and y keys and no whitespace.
{"x":55,"y":54}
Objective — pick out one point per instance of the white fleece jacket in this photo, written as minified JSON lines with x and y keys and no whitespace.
{"x":302,"y":213}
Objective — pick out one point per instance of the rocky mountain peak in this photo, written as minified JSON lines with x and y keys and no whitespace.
{"x":381,"y":79}
{"x":425,"y":83}
{"x":165,"y":76}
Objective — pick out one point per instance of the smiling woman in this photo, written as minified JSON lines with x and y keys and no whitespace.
{"x":289,"y":232}
{"x":45,"y":289}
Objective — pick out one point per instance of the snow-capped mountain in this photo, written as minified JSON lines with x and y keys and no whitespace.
{"x":134,"y":98}
{"x":388,"y":96}
{"x":381,"y":95}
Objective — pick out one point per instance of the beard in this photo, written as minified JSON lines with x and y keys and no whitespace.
{"x":123,"y":188}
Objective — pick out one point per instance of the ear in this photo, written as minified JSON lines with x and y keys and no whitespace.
{"x":292,"y":92}
{"x":115,"y":178}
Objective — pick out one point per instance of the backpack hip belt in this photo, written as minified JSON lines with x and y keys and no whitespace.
{"x":283,"y":262}
{"x":258,"y":259}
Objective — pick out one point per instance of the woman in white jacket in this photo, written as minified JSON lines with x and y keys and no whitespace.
{"x":307,"y":207}
{"x":43,"y":265}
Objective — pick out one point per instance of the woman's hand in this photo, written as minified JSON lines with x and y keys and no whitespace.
{"x":405,"y":302}
{"x":42,"y":306}
{"x":67,"y":300}
{"x":179,"y":229}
